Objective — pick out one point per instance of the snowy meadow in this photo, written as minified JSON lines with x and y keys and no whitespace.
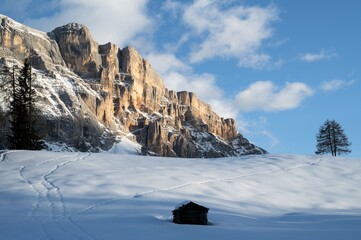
{"x":49,"y":195}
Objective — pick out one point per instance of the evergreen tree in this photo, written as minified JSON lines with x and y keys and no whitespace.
{"x":2,"y":129}
{"x":332,"y":139}
{"x":21,"y":110}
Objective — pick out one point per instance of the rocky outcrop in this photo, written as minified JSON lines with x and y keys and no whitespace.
{"x":111,"y":92}
{"x":17,"y":41}
{"x":79,"y":51}
{"x":171,"y":123}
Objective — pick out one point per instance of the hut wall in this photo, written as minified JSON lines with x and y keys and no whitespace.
{"x":190,"y":217}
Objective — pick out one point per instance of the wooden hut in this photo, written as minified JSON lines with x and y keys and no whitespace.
{"x":190,"y":213}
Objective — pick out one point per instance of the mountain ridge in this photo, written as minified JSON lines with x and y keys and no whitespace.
{"x":93,"y":95}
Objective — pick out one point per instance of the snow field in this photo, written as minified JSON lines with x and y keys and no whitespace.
{"x":125,"y":196}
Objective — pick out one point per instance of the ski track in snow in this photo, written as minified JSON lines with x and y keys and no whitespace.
{"x":36,"y":205}
{"x":48,"y":195}
{"x":50,"y":186}
{"x":226,"y":179}
{"x":3,"y":156}
{"x":5,"y":153}
{"x":139,"y":195}
{"x":54,"y":159}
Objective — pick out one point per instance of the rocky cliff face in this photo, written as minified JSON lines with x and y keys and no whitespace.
{"x":91,"y":95}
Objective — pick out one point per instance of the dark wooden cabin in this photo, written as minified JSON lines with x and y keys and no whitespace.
{"x":190,"y":213}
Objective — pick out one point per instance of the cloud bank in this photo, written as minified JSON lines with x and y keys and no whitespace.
{"x":266,"y":96}
{"x":230,"y":32}
{"x":180,"y":77}
{"x":334,"y":85}
{"x":118,"y":21}
{"x":259,"y":96}
{"x":314,"y":57}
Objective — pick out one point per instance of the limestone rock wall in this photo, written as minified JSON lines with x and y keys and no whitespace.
{"x":147,"y":89}
{"x":160,"y":117}
{"x":79,"y":51}
{"x":116,"y":91}
{"x":17,"y":41}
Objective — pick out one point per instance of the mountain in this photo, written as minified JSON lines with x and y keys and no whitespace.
{"x":92,"y":96}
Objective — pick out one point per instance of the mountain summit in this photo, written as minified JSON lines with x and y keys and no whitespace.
{"x":92,"y":96}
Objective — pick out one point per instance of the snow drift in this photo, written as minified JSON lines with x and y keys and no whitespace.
{"x":47,"y":195}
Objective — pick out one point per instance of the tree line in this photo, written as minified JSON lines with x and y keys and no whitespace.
{"x":19,"y":95}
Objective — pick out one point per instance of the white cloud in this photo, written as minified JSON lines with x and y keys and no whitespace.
{"x":172,"y":6}
{"x":21,"y":9}
{"x":166,"y":62}
{"x":274,"y":141}
{"x":334,"y":85}
{"x":322,"y":55}
{"x":118,"y":21}
{"x":204,"y":85}
{"x":179,"y":77}
{"x":236,"y":32}
{"x":7,"y":6}
{"x":224,"y":107}
{"x":264,"y":95}
{"x":256,"y":128}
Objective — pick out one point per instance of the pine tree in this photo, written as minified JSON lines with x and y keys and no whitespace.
{"x":2,"y":129}
{"x":21,"y":108}
{"x":332,"y":139}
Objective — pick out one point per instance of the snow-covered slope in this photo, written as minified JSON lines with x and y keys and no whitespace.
{"x":47,"y":195}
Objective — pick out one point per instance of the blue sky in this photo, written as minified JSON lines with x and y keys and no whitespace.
{"x":280,"y":68}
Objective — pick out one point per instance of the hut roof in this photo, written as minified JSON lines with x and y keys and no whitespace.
{"x":189,"y":205}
